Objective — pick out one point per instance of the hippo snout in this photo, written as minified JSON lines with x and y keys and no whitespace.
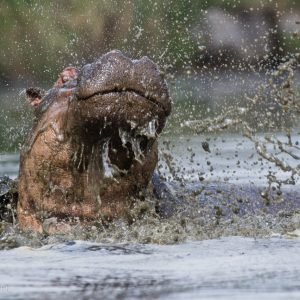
{"x":115,"y":73}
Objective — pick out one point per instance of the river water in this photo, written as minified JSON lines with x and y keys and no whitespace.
{"x":220,"y":268}
{"x":226,"y":268}
{"x":236,"y":258}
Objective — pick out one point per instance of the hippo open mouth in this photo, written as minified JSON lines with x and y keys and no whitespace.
{"x":121,"y":108}
{"x":94,"y":144}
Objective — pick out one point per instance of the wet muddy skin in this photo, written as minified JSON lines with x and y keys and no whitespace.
{"x":195,"y":211}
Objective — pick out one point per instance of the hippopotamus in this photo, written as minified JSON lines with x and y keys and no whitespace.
{"x":93,"y":146}
{"x":92,"y":152}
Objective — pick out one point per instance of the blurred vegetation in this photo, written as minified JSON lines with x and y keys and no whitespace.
{"x":38,"y":38}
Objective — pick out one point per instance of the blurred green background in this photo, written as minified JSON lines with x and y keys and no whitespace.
{"x":38,"y":38}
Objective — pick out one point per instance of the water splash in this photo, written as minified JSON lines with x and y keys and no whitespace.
{"x":274,"y":108}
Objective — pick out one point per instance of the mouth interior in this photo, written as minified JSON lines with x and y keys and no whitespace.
{"x":120,"y":147}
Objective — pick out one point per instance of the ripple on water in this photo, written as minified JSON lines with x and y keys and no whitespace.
{"x":225,"y":268}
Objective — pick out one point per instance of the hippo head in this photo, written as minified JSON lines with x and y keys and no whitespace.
{"x":93,"y":147}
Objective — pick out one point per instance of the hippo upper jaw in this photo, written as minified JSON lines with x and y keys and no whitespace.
{"x":114,"y":73}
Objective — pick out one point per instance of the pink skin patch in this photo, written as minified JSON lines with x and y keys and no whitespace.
{"x":69,"y":73}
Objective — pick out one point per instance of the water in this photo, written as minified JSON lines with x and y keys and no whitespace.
{"x":220,"y":268}
{"x":9,"y":164}
{"x":226,"y":268}
{"x":232,"y":158}
{"x":179,"y":258}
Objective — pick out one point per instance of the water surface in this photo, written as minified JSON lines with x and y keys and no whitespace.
{"x":226,"y":268}
{"x":163,"y":259}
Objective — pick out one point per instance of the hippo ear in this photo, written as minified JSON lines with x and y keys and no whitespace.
{"x":34,"y":96}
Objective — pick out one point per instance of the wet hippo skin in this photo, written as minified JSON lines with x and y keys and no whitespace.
{"x":93,"y":147}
